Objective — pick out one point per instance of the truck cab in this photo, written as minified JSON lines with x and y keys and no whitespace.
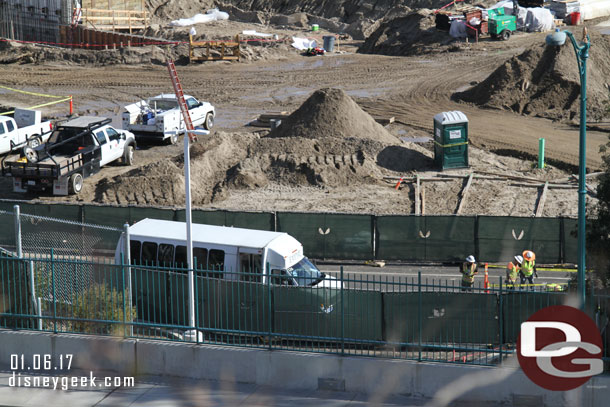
{"x":25,"y":128}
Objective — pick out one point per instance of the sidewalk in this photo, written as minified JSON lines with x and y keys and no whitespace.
{"x":152,"y":391}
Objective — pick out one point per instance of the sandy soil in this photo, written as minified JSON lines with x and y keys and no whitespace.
{"x":277,"y":78}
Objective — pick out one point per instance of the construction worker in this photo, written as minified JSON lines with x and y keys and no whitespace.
{"x":468,"y":269}
{"x":528,"y":268}
{"x":512,"y":272}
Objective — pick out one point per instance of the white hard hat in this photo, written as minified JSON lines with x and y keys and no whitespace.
{"x":519,"y":259}
{"x":470,"y":259}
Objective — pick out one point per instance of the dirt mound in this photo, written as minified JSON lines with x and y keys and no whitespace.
{"x":543,"y":81}
{"x":407,"y":34}
{"x":331,"y":113}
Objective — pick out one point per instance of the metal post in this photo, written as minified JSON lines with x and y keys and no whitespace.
{"x":419,"y":311}
{"x":33,"y":286}
{"x":342,"y":317}
{"x":270,"y":306}
{"x":582,"y":170}
{"x":126,"y":264}
{"x":39,"y":303}
{"x":501,"y":318}
{"x":53,"y":288}
{"x":18,"y":247}
{"x":189,"y":230}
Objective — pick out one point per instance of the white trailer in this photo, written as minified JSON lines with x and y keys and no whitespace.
{"x":160,"y":118}
{"x":26,"y":127}
{"x":227,"y":252}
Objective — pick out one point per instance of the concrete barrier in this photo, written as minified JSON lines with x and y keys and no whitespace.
{"x":300,"y":371}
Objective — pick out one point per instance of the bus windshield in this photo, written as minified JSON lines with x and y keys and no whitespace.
{"x":305,"y":273}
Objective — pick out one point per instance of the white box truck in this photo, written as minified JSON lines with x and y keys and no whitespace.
{"x":226,"y":252}
{"x":25,"y":127}
{"x":160,"y":117}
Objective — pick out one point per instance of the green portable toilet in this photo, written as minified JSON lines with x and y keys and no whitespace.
{"x":451,"y":140}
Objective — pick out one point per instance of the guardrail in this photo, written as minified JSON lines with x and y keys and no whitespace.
{"x":378,"y":316}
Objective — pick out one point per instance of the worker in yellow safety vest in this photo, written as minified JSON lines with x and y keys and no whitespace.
{"x":512,"y":272}
{"x":554,"y":287}
{"x":468,"y":269}
{"x":528,"y":268}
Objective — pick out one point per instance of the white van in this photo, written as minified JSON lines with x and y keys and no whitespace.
{"x":226,"y":252}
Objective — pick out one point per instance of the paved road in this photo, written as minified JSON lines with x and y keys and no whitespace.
{"x":152,"y":391}
{"x":443,"y":275}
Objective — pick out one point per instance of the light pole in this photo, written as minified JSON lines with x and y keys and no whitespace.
{"x":558,"y":38}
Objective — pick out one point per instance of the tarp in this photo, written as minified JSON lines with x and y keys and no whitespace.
{"x":590,"y":9}
{"x":211,"y":15}
{"x":539,"y":19}
{"x":457,"y":29}
{"x":303,"y":43}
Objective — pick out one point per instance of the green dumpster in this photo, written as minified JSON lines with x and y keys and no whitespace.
{"x":451,"y":140}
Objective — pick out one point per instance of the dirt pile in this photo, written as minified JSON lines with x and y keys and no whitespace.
{"x":331,"y":113}
{"x":407,"y":34}
{"x":543,"y":81}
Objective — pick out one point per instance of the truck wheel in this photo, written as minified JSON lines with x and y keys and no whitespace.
{"x":128,"y":155}
{"x":173,"y":139}
{"x":75,"y":185}
{"x":505,"y":35}
{"x":30,"y":154}
{"x":34,"y":141}
{"x":209,"y":121}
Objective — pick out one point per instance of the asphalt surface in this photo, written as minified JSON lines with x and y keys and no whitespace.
{"x":445,"y":277}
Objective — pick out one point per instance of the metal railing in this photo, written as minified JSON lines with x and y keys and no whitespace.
{"x":349,"y":314}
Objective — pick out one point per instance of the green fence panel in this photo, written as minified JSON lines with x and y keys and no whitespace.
{"x":248,"y":220}
{"x":305,"y":227}
{"x":136,"y":214}
{"x":15,"y":294}
{"x":216,"y":218}
{"x":244,"y":306}
{"x":56,"y":211}
{"x":311,"y":311}
{"x":501,"y":238}
{"x":448,"y":238}
{"x":519,"y":306}
{"x":151,"y":295}
{"x":348,"y":236}
{"x":7,"y":220}
{"x":208,"y":300}
{"x":113,"y":216}
{"x":570,"y":240}
{"x":443,"y":318}
{"x":399,"y":238}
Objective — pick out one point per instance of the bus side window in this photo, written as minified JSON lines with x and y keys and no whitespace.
{"x":250,"y":267}
{"x":279,"y":277}
{"x":216,"y":262}
{"x":134,"y":251}
{"x":181,"y":261}
{"x":166,"y":254}
{"x":200,"y":258}
{"x":149,"y":253}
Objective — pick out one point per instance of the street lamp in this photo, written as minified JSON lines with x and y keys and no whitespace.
{"x":558,"y":38}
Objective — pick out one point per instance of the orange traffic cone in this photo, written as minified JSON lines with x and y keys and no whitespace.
{"x":486,"y":281}
{"x":398,"y":183}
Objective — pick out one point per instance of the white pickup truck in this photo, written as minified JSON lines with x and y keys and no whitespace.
{"x":76,"y":149}
{"x":25,"y":128}
{"x":160,"y":118}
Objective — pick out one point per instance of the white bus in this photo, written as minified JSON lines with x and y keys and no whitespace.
{"x":225,"y":252}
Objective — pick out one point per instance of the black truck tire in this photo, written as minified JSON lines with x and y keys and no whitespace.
{"x":30,"y":154}
{"x":128,"y":155}
{"x":173,"y":139}
{"x":505,"y":35}
{"x":209,"y":121}
{"x":75,"y":184}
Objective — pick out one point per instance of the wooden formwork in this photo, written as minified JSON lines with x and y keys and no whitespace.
{"x":82,"y":37}
{"x":227,"y":50}
{"x":115,"y":20}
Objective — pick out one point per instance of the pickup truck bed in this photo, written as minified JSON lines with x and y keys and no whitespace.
{"x":59,"y":166}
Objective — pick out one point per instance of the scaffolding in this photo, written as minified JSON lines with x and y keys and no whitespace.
{"x":33,"y":20}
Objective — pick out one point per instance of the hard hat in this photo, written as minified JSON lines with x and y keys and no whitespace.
{"x":519,"y":259}
{"x":529,"y":255}
{"x":470,"y":259}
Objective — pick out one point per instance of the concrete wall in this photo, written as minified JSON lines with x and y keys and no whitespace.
{"x":305,"y":371}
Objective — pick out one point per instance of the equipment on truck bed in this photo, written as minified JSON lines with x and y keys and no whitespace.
{"x":75,"y":150}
